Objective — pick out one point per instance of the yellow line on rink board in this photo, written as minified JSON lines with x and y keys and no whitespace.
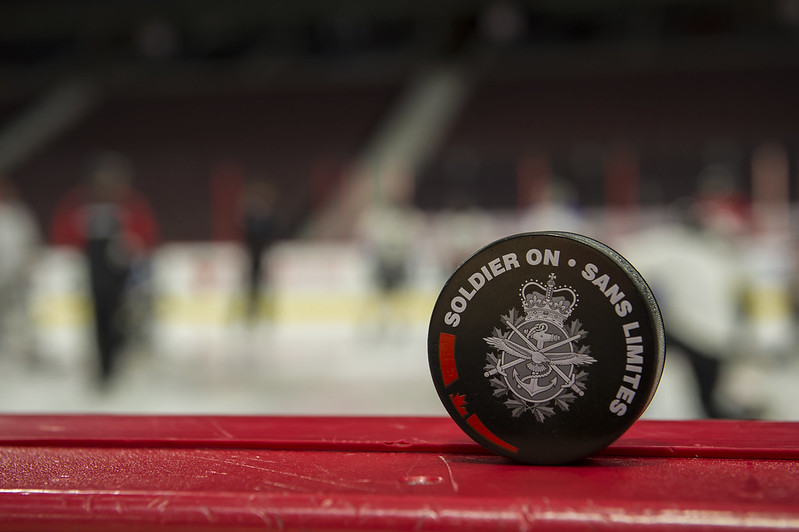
{"x":74,"y":310}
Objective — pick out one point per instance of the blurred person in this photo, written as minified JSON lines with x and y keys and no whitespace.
{"x":725,"y":209}
{"x":551,"y":209}
{"x":115,"y":228}
{"x":260,"y":225}
{"x":19,"y":242}
{"x":769,"y":253}
{"x":388,"y":230}
{"x":463,"y":228}
{"x":693,"y":267}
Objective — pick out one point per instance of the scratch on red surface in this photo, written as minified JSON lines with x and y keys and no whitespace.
{"x":410,"y":470}
{"x":426,"y":513}
{"x":280,"y":485}
{"x":261,"y":460}
{"x":266,"y":518}
{"x":330,"y":482}
{"x":160,"y":503}
{"x":222,"y":431}
{"x":449,"y":473}
{"x":207,"y":513}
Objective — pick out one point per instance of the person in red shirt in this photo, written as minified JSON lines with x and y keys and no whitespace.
{"x":115,"y":228}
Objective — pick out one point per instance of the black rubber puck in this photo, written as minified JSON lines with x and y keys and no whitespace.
{"x":546,"y":347}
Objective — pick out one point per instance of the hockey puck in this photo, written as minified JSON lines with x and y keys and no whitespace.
{"x":546,"y":347}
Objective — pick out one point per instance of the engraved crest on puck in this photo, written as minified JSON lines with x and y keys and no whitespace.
{"x":537,"y":357}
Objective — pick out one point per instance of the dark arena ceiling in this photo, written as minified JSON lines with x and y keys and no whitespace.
{"x":168,"y":44}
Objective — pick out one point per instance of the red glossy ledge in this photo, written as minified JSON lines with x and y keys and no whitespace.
{"x":718,"y":439}
{"x":338,"y":473}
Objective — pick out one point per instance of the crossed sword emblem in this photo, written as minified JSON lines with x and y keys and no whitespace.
{"x":537,"y":355}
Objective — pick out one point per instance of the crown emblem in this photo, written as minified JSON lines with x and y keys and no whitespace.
{"x":548,"y":303}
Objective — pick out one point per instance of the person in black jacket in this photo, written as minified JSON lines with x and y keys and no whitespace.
{"x":260,"y":224}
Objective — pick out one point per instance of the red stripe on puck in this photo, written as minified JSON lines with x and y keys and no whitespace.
{"x":481,"y":429}
{"x":446,"y":357}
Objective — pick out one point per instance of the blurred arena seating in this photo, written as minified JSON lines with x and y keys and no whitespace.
{"x":669,"y":118}
{"x":178,"y":142}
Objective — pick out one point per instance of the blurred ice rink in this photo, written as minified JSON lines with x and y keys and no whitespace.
{"x":324,"y":342}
